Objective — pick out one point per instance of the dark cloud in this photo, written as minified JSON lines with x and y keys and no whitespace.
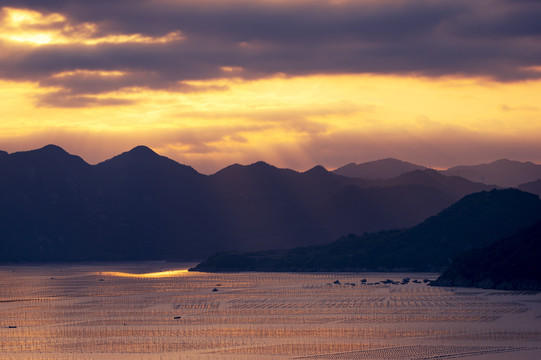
{"x":97,"y":83}
{"x":498,"y":39}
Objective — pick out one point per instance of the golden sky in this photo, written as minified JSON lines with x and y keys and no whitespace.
{"x":295,"y":84}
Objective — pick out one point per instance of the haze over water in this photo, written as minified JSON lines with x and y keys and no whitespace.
{"x":160,"y":311}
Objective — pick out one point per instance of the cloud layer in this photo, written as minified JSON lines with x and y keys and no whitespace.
{"x":87,"y":48}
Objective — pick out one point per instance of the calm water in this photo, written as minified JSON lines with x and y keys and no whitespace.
{"x":138,"y":311}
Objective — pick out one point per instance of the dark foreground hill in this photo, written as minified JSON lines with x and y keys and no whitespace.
{"x":510,"y":264}
{"x":139,"y":205}
{"x":475,"y":221}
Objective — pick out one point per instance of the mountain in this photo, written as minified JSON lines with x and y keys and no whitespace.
{"x":504,"y":173}
{"x":44,"y":194}
{"x":142,"y":159}
{"x":475,"y":221}
{"x":153,"y":207}
{"x":140,"y":205}
{"x":453,"y":185}
{"x":50,"y":160}
{"x":534,"y":187}
{"x":379,"y":169}
{"x":266,"y":207}
{"x":510,"y":264}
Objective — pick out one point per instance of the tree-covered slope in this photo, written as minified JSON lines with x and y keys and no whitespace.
{"x":510,"y":263}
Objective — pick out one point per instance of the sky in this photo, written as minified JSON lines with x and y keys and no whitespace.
{"x":294,"y":83}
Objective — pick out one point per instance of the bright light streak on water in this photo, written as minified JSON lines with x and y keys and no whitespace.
{"x":159,"y":274}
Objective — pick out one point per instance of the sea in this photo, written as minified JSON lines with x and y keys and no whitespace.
{"x":159,"y":310}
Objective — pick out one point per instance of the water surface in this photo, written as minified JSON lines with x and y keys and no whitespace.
{"x":160,"y":311}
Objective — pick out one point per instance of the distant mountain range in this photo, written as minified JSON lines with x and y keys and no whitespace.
{"x":475,"y":221}
{"x":503,"y":173}
{"x":140,"y":205}
{"x":510,"y":264}
{"x":379,"y":169}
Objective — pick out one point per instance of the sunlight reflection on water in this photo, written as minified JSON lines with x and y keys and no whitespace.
{"x":159,"y":274}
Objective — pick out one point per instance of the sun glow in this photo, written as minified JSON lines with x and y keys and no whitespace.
{"x":19,"y":17}
{"x":65,"y":74}
{"x":277,"y":120}
{"x":34,"y":28}
{"x":160,"y":274}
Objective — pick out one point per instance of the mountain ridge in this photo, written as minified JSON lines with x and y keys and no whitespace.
{"x":502,"y":172}
{"x":141,"y":205}
{"x":378,"y":169}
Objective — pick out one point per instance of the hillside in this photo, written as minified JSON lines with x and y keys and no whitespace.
{"x":511,"y":264}
{"x":475,"y":221}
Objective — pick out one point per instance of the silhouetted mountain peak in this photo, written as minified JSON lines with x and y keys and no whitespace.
{"x":48,"y":150}
{"x":139,"y":153}
{"x":259,"y":168}
{"x":143,"y":150}
{"x":51,"y":148}
{"x":143,"y":153}
{"x":143,"y":158}
{"x":50,"y":155}
{"x":261,"y":165}
{"x":379,"y":169}
{"x":317,"y":170}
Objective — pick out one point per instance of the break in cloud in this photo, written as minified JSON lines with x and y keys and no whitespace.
{"x":88,"y":50}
